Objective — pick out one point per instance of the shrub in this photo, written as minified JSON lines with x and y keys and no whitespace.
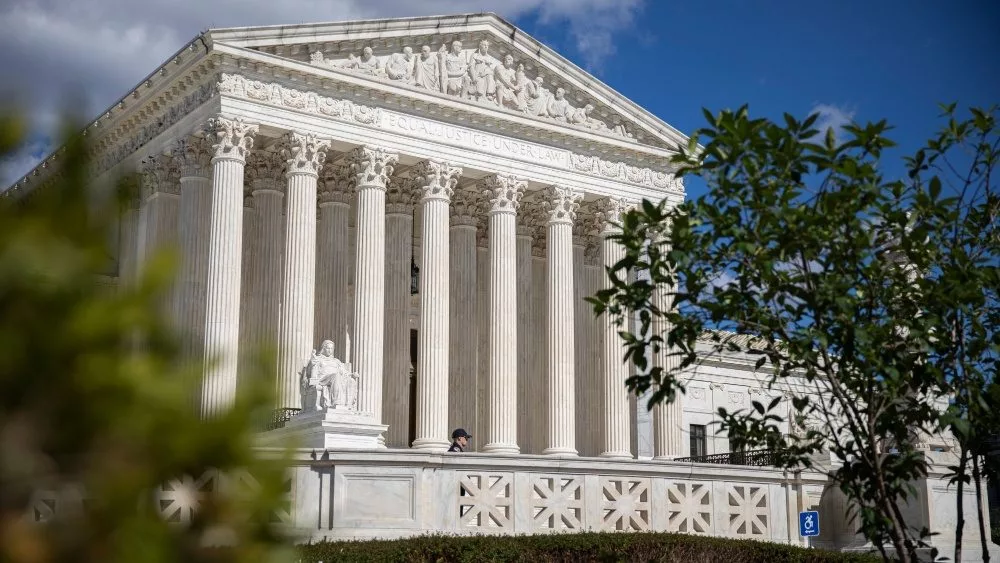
{"x":643,"y":547}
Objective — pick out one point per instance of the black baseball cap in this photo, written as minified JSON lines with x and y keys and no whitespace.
{"x":460,"y":433}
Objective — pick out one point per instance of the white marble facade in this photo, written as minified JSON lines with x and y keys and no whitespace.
{"x":307,"y":172}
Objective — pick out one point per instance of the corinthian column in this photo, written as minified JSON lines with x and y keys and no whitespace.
{"x":266,"y":169}
{"x":305,"y":155}
{"x":194,"y":154}
{"x":372,"y":166}
{"x":667,"y":417}
{"x":160,"y":188}
{"x":529,"y":345}
{"x":233,"y":140}
{"x":436,"y":181}
{"x":333,"y":255}
{"x":505,"y":194}
{"x":615,"y":403}
{"x":463,"y":323}
{"x":562,"y":204}
{"x":400,"y":196}
{"x":128,"y":245}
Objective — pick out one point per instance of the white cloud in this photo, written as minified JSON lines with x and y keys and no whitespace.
{"x":101,"y":48}
{"x":832,"y":117}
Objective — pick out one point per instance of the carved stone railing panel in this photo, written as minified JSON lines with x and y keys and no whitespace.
{"x":625,"y":504}
{"x":689,"y":507}
{"x":749,"y":513}
{"x":487,"y":502}
{"x":178,"y":500}
{"x":557,"y":502}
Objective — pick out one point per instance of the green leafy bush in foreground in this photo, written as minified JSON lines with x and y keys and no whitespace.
{"x":571,"y":547}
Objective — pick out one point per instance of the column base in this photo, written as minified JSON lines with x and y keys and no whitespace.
{"x":616,"y":455}
{"x":560,"y":452}
{"x":430,"y":444}
{"x":501,"y":449}
{"x":328,"y":429}
{"x":665,"y":457}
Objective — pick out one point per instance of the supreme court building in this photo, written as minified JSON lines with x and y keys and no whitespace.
{"x":433,"y":196}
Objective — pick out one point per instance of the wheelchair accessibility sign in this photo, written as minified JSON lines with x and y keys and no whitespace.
{"x":809,"y":523}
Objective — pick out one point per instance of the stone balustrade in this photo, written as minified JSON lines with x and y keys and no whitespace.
{"x":399,"y":493}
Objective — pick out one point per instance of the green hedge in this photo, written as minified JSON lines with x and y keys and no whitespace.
{"x":644,"y":547}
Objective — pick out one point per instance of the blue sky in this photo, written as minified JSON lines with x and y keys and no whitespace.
{"x":867,"y":60}
{"x":862,"y":60}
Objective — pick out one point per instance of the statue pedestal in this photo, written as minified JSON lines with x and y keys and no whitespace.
{"x":334,"y":429}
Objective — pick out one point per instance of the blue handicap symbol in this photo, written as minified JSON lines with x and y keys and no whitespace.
{"x":809,"y":523}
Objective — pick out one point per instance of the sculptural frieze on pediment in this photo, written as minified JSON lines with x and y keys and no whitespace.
{"x":477,"y":75}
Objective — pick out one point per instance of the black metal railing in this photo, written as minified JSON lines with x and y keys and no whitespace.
{"x":754,"y":458}
{"x":277,"y":419}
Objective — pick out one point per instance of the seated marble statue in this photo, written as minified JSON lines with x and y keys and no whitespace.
{"x":334,"y":384}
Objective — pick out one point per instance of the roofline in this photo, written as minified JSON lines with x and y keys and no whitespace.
{"x":515,"y":34}
{"x":10,"y":189}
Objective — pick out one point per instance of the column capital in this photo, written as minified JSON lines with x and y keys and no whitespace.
{"x":265,"y":170}
{"x":401,"y":195}
{"x":159,"y":174}
{"x":194,"y":155}
{"x":436,"y":179}
{"x":373,"y":166}
{"x":304,"y":153}
{"x":561,"y":203}
{"x":609,"y":213}
{"x":336,"y":184}
{"x":233,"y":138}
{"x":467,"y":207}
{"x":504,"y":192}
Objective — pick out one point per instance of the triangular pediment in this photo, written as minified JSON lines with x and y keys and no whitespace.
{"x":480,"y":59}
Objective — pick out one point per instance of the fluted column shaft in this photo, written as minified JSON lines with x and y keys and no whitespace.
{"x":398,"y":257}
{"x":159,"y":233}
{"x":505,"y":196}
{"x":563,"y":204}
{"x":373,"y":167}
{"x":128,"y":247}
{"x":268,"y":269}
{"x":529,"y":379}
{"x":436,"y":181}
{"x":580,"y":362}
{"x":617,"y":417}
{"x":463,"y":322}
{"x":331,"y":273}
{"x":305,"y":155}
{"x":195,"y":222}
{"x":225,"y":246}
{"x":667,"y":418}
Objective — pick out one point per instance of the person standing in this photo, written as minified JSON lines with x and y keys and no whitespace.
{"x":459,"y":440}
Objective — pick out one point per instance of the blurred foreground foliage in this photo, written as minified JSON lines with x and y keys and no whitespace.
{"x":96,"y":404}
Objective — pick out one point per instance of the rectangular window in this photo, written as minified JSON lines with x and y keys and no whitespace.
{"x":697,"y":440}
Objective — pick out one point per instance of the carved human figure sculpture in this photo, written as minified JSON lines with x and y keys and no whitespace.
{"x":507,"y":86}
{"x":455,"y":69}
{"x":426,"y":72}
{"x":331,"y":381}
{"x":537,"y":100}
{"x":559,"y":107}
{"x":481,"y":84}
{"x":367,"y":63}
{"x":400,"y":65}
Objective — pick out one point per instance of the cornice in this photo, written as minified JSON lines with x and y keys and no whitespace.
{"x":436,"y":105}
{"x":313,"y":101}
